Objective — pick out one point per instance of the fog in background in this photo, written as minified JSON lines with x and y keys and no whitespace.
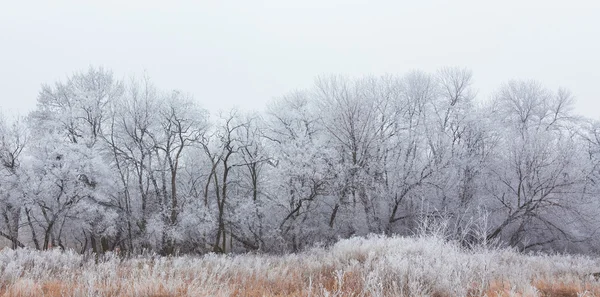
{"x":244,"y":53}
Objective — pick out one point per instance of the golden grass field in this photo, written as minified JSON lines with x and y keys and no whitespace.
{"x":375,"y":266}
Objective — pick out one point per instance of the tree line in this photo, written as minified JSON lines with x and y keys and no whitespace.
{"x":105,"y":164}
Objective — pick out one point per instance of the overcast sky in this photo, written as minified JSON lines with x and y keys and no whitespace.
{"x":245,"y":53}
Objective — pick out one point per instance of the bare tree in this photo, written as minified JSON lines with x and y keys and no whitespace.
{"x":183,"y":125}
{"x":302,"y":163}
{"x":538,"y":171}
{"x":13,"y":139}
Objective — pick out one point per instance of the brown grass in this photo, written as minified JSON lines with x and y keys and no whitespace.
{"x":567,"y":290}
{"x":547,"y":288}
{"x":292,"y":284}
{"x":347,"y":270}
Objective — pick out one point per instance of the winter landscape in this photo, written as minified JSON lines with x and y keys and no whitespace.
{"x":375,"y":266}
{"x":321,"y":148}
{"x":114,"y":188}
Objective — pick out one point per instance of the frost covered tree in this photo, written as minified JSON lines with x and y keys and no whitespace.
{"x":538,"y":176}
{"x":13,"y":140}
{"x":103,"y":163}
{"x":68,"y":196}
{"x":301,"y":171}
{"x":182,"y":124}
{"x":68,"y":178}
{"x":148,"y":137}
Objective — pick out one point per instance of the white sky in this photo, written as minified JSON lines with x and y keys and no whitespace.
{"x":245,"y":53}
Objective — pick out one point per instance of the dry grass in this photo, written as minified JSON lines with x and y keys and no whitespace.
{"x":355,"y":267}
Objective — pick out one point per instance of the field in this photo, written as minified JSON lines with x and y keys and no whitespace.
{"x":374,"y":266}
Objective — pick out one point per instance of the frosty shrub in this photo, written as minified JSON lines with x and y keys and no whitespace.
{"x":372,"y":266}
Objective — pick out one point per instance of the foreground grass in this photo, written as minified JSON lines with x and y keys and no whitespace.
{"x":376,"y":266}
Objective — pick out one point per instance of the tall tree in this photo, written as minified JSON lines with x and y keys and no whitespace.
{"x":536,"y":181}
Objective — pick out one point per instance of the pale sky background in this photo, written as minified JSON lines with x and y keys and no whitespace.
{"x":245,"y":53}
